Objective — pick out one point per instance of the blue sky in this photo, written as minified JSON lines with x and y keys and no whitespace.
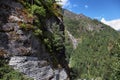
{"x":107,"y":9}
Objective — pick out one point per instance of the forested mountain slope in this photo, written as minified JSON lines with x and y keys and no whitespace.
{"x":38,"y":41}
{"x":97,"y":52}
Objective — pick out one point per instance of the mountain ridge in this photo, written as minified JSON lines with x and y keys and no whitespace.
{"x":70,"y":14}
{"x":82,"y":24}
{"x":94,"y":56}
{"x":112,"y":23}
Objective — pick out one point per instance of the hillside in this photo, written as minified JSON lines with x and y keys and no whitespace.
{"x":93,"y":58}
{"x":38,"y":41}
{"x":32,"y":40}
{"x":83,"y":24}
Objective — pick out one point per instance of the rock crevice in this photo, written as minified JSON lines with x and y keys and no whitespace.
{"x":26,"y":52}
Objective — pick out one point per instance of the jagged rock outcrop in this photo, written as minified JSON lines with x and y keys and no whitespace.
{"x":25,"y":51}
{"x":13,"y":39}
{"x":73,"y":40}
{"x":32,"y":67}
{"x":37,"y":69}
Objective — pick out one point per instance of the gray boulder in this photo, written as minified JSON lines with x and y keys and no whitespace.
{"x":32,"y":67}
{"x":37,"y":69}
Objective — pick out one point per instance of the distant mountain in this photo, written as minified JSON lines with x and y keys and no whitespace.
{"x":79,"y":23}
{"x":72,"y":15}
{"x":89,"y":45}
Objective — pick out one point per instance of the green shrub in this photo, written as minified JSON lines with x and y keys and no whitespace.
{"x":8,"y":73}
{"x":38,"y":10}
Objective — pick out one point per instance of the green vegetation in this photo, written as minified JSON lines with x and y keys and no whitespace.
{"x":7,"y":73}
{"x":72,"y":25}
{"x":46,"y":26}
{"x":92,"y":59}
{"x":115,"y":53}
{"x":41,"y":17}
{"x":97,"y":55}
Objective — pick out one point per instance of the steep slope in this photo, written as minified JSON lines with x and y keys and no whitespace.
{"x":92,"y":58}
{"x":83,"y":24}
{"x":74,"y":41}
{"x":32,"y":39}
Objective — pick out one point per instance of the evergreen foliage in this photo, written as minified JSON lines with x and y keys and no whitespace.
{"x":38,"y":12}
{"x":7,"y":73}
{"x":48,"y":32}
{"x":96,"y":56}
{"x":115,"y":53}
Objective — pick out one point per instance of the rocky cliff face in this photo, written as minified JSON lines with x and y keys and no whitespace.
{"x":73,"y":40}
{"x":14,"y":41}
{"x":26,"y":52}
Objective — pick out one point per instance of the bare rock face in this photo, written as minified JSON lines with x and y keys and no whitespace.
{"x":13,"y":39}
{"x":25,"y":51}
{"x":32,"y":67}
{"x":17,"y":41}
{"x":37,"y":69}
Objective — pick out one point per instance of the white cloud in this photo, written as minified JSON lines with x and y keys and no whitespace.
{"x":115,"y":24}
{"x":86,"y":6}
{"x":63,"y":2}
{"x":67,"y":4}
